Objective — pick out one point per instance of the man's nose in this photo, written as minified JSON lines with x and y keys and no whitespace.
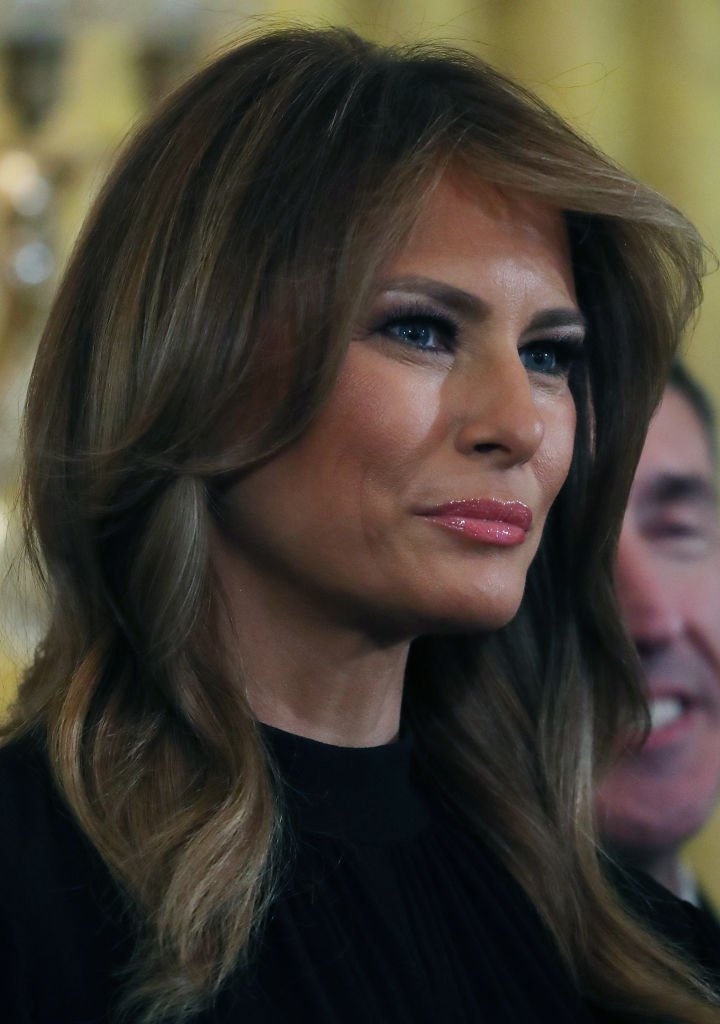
{"x":649,"y":604}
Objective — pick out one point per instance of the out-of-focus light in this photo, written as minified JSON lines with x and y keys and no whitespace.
{"x":33,"y":263}
{"x":22,"y":183}
{"x":4,"y":523}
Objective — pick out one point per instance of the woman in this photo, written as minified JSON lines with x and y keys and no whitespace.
{"x":327,"y":443}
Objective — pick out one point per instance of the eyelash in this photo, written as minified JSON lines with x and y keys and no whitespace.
{"x":419,"y":318}
{"x":566,"y":350}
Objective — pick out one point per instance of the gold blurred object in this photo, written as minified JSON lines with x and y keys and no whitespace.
{"x":32,"y":62}
{"x":70,"y":89}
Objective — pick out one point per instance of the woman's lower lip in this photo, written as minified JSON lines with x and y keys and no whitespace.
{"x":486,"y":531}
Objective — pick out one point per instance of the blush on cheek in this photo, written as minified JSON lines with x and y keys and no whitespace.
{"x":554,"y":460}
{"x":552,"y":473}
{"x":383,"y":412}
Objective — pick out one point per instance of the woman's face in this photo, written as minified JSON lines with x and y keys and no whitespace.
{"x":416,"y":500}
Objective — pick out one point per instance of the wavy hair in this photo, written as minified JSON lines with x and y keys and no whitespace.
{"x":218,"y":278}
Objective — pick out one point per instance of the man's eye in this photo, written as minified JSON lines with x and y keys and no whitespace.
{"x":683,"y":538}
{"x":426,"y":333}
{"x":551,"y":356}
{"x":679,"y":529}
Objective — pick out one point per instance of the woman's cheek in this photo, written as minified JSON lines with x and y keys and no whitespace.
{"x":555,"y":457}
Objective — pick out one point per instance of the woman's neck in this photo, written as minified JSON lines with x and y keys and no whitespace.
{"x":346,"y":698}
{"x":309,"y":672}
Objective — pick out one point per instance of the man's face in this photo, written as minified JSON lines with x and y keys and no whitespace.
{"x":668,"y":580}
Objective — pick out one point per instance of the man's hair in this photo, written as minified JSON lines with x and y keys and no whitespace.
{"x":700,"y":402}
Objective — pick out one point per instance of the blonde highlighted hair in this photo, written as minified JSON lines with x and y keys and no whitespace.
{"x":218,"y":279}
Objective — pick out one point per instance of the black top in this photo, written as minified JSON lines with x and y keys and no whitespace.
{"x":388,"y":912}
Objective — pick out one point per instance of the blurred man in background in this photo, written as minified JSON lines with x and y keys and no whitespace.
{"x":668,"y":580}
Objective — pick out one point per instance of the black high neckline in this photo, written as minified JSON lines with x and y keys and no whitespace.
{"x":363,"y":794}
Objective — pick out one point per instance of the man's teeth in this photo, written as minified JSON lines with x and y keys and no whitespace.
{"x":664,"y":711}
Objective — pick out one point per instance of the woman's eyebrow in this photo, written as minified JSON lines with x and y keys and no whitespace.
{"x":456,"y":299}
{"x":554,"y":318}
{"x":473,"y":307}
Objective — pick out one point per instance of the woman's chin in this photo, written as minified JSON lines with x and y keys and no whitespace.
{"x":472,"y":616}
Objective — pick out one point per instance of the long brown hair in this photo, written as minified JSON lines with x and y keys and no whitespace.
{"x":219,"y":275}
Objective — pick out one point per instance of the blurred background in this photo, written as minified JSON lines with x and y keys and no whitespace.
{"x":640,"y":77}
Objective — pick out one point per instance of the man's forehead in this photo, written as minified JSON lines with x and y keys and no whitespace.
{"x":676,"y":460}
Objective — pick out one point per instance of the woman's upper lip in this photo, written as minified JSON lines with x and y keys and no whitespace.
{"x":513,"y":512}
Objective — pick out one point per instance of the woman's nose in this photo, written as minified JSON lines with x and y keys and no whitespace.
{"x":496,"y":411}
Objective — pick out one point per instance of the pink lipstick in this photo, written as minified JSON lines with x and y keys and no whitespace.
{"x":486,"y":520}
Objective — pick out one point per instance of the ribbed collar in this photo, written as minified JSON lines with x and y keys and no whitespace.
{"x":363,"y":794}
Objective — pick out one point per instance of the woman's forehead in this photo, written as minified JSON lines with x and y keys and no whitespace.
{"x":466,"y":228}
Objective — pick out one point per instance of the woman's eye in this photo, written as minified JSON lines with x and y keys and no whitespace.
{"x":426,"y":333}
{"x":552,"y":357}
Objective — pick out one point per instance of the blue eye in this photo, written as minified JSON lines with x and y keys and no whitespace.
{"x":422,"y":331}
{"x":553,"y":357}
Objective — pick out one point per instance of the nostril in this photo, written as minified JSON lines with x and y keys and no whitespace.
{"x":646,"y":647}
